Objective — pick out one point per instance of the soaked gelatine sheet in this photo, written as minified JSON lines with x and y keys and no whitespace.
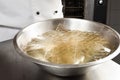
{"x":68,"y":47}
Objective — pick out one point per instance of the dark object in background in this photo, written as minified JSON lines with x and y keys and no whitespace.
{"x":117,"y":59}
{"x":100,"y":11}
{"x":73,"y":8}
{"x":95,"y":10}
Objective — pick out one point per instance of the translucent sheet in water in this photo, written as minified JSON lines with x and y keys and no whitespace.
{"x":68,"y":47}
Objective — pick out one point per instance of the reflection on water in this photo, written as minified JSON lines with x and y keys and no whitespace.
{"x":68,"y":47}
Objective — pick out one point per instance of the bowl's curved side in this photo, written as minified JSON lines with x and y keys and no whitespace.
{"x":25,"y":36}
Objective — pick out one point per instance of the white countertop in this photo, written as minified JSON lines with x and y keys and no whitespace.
{"x":107,"y":71}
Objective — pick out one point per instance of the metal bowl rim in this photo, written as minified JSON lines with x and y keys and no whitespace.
{"x":112,"y":55}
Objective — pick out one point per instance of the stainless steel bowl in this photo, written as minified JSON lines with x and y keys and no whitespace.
{"x":25,"y":36}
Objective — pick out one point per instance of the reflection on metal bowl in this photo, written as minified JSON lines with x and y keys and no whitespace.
{"x":30,"y":32}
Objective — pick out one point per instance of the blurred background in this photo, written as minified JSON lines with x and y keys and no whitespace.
{"x":105,"y":11}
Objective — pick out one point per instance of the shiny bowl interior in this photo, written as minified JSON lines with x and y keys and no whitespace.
{"x":24,"y":36}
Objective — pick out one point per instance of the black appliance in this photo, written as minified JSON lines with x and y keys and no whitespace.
{"x":86,"y":9}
